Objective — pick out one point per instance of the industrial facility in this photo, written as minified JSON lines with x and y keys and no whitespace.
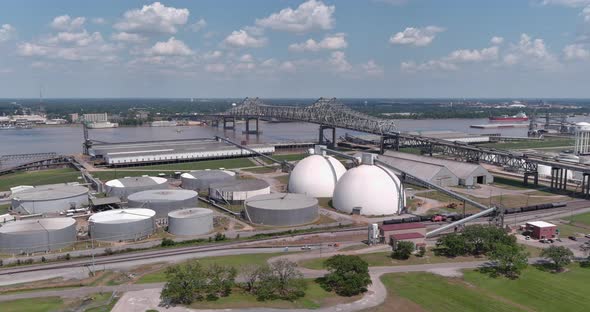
{"x":36,"y":235}
{"x":316,"y":175}
{"x":189,"y":222}
{"x":237,"y":191}
{"x":163,"y":201}
{"x":136,"y":153}
{"x":129,"y":185}
{"x":52,"y":198}
{"x":200,"y":180}
{"x":122,"y":224}
{"x":467,"y":174}
{"x":280,"y":209}
{"x":369,"y":190}
{"x":582,"y":138}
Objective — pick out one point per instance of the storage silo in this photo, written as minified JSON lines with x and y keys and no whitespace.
{"x":126,"y":186}
{"x":281,"y":209}
{"x":316,"y":175}
{"x":199,"y":180}
{"x":237,"y":191}
{"x":49,"y":198}
{"x":37,"y":235}
{"x":122,"y":224}
{"x":163,"y":201}
{"x":192,"y":221}
{"x":369,"y":190}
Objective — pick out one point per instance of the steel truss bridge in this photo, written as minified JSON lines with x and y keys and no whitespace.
{"x":329,"y":113}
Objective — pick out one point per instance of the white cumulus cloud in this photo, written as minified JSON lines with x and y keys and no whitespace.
{"x":7,"y":32}
{"x":372,"y":69}
{"x":198,"y":25}
{"x":339,"y":62}
{"x":330,"y":42}
{"x":128,"y":37}
{"x":66,"y":23}
{"x":419,"y":37}
{"x":497,"y":40}
{"x":215,"y":68}
{"x":431,"y":65}
{"x":309,"y":16}
{"x":242,"y":39}
{"x":153,"y":18}
{"x":576,"y":52}
{"x":172,"y":47}
{"x":531,"y":52}
{"x":465,"y":55}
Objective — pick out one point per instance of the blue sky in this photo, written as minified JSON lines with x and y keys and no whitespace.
{"x":285,"y":48}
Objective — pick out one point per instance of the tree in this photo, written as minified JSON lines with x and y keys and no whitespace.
{"x":451,"y":245}
{"x":561,"y":256}
{"x":290,"y":282}
{"x":279,"y":280}
{"x":220,"y":281}
{"x":421,"y":251}
{"x":510,"y":259}
{"x":348,"y":275}
{"x":185,"y":283}
{"x":403,"y":250}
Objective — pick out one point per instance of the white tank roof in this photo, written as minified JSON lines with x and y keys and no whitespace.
{"x":583,"y":125}
{"x":372,"y":189}
{"x":122,"y":215}
{"x":136,"y":181}
{"x":316,"y":176}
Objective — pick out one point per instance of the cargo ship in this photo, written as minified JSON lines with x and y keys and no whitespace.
{"x":517,"y":117}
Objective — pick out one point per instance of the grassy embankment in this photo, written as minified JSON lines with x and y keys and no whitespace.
{"x":93,"y":303}
{"x":535,"y":290}
{"x":51,"y":176}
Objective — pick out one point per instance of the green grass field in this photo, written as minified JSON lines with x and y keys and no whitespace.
{"x":530,"y":144}
{"x":4,"y":208}
{"x":315,"y":297}
{"x":33,"y":305}
{"x":51,"y":176}
{"x":384,"y":259}
{"x":583,"y":218}
{"x":204,"y":164}
{"x":237,"y":262}
{"x":535,"y":290}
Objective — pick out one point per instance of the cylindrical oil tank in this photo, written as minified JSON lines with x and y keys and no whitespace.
{"x":237,"y":191}
{"x":192,"y":221}
{"x":122,"y":224}
{"x":281,"y":209}
{"x":199,"y":180}
{"x":126,"y":186}
{"x":37,"y":235}
{"x":49,"y":199}
{"x":163,"y":201}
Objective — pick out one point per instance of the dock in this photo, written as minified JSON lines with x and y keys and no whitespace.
{"x":499,"y":126}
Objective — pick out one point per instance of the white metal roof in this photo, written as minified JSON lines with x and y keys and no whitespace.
{"x":122,"y":215}
{"x":541,"y":224}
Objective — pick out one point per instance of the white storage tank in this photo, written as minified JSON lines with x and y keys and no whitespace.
{"x":316,"y":175}
{"x":122,"y":224}
{"x":126,"y":186}
{"x":199,"y":180}
{"x":369,"y":190}
{"x":236,"y":191}
{"x":37,"y":235}
{"x":49,"y":198}
{"x":192,"y":221}
{"x":281,"y":209}
{"x":163,"y":201}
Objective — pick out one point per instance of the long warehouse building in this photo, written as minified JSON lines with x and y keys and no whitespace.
{"x":135,"y":153}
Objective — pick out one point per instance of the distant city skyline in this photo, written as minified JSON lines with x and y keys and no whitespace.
{"x":295,"y":49}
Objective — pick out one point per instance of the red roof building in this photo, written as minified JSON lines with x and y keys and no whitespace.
{"x":414,"y":232}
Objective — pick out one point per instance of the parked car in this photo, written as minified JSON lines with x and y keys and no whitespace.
{"x":558,"y":239}
{"x":573,"y":238}
{"x":587,"y":235}
{"x":550,"y":241}
{"x":543,"y":241}
{"x":527,"y":237}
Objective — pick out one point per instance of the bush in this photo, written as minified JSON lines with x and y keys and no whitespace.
{"x":421,"y":251}
{"x":167,"y":242}
{"x":108,"y":251}
{"x":348,"y":275}
{"x":403,"y":250}
{"x":68,"y":257}
{"x":43,"y":259}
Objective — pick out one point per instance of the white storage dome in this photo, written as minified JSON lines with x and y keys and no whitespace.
{"x":316,"y":175}
{"x":370,"y":190}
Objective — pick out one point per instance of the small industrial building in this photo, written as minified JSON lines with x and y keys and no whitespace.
{"x":393,"y":233}
{"x":135,"y":153}
{"x":52,"y":198}
{"x":541,"y":229}
{"x":433,"y":173}
{"x":468,"y":174}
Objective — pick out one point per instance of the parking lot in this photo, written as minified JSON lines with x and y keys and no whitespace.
{"x":577,"y":246}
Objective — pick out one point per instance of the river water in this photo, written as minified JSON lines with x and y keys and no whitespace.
{"x":68,"y":140}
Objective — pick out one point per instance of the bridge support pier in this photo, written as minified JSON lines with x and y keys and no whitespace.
{"x":386,"y":140}
{"x":248,"y":131}
{"x":229,"y":123}
{"x":322,"y":138}
{"x":215,"y":123}
{"x":558,"y":178}
{"x":535,"y":176}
